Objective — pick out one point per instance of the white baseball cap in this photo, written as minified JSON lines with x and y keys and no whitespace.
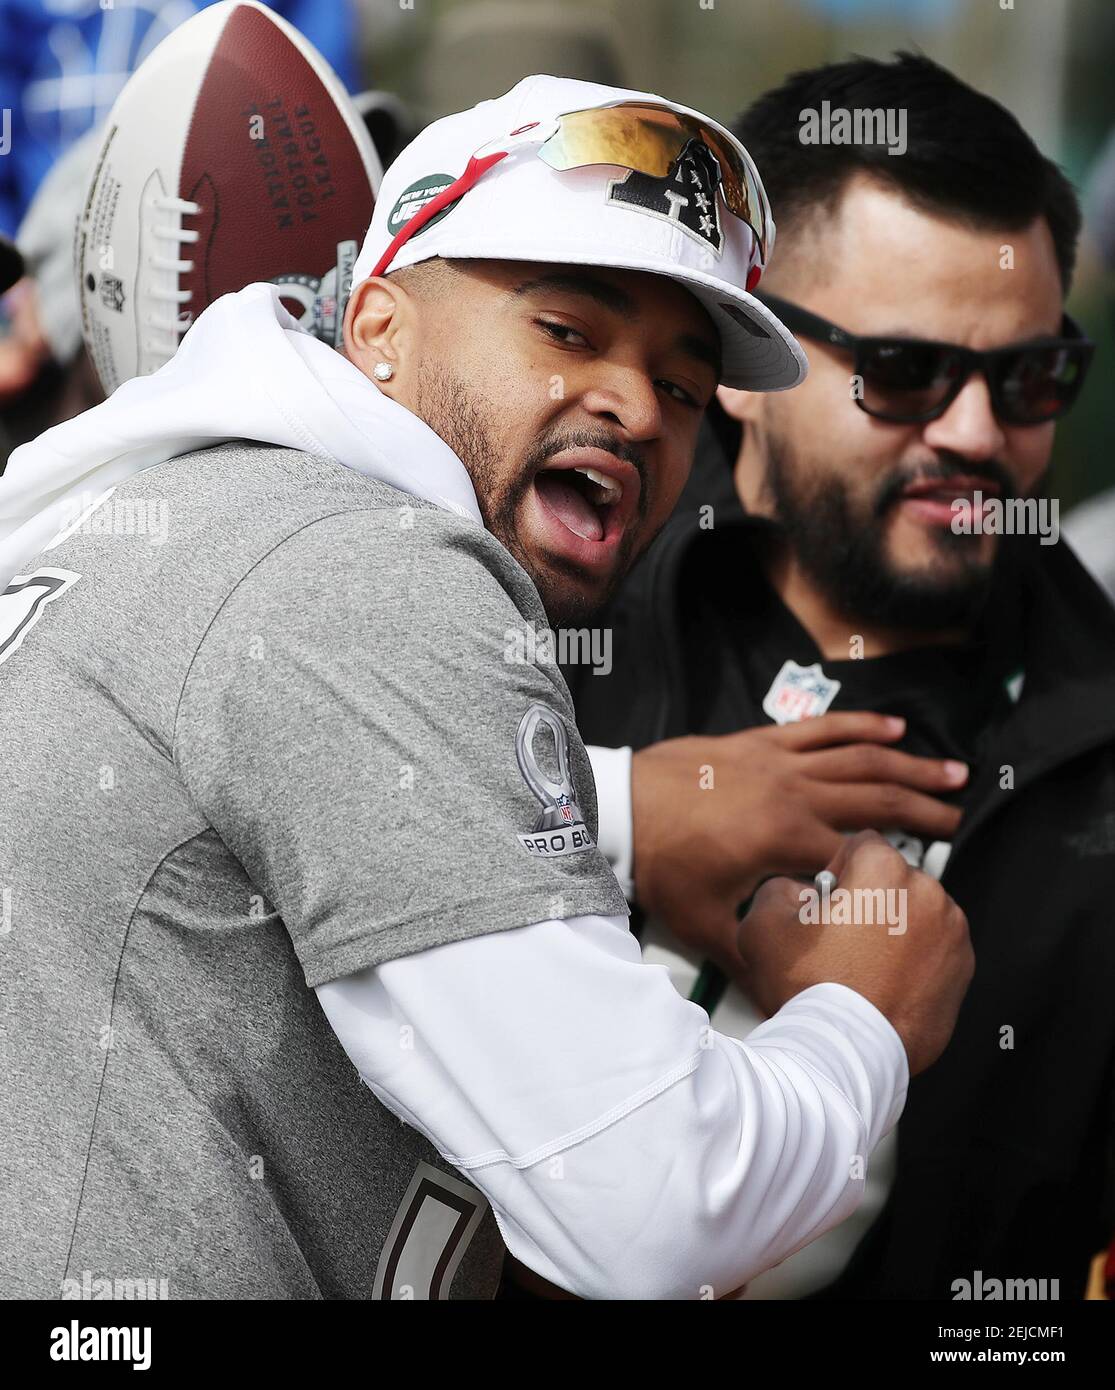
{"x":522,"y":209}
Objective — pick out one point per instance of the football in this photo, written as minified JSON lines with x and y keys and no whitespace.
{"x":233,"y":154}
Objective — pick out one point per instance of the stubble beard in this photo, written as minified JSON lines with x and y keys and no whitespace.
{"x":842,"y":550}
{"x":461,"y":416}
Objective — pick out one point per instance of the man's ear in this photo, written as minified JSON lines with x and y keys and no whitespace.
{"x":742,"y":406}
{"x":379,"y":327}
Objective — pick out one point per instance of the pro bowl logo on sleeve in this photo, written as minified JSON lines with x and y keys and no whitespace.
{"x":799,"y":692}
{"x":560,"y":829}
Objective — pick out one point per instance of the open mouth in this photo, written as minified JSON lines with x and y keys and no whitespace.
{"x":585,"y":499}
{"x":581,"y":498}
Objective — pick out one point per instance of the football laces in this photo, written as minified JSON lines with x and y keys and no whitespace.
{"x":162,"y":331}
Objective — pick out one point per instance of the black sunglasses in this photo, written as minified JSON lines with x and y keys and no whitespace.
{"x":910,"y":381}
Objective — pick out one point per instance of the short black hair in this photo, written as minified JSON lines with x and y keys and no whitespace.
{"x":966,"y":158}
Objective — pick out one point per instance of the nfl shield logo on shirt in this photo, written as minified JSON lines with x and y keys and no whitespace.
{"x":799,"y":692}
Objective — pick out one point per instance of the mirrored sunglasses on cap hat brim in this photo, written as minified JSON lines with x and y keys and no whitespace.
{"x":639,"y":136}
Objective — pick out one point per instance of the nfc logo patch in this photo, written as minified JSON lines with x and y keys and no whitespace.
{"x":685,"y":196}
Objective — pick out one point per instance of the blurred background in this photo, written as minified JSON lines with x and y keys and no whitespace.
{"x":62,"y":63}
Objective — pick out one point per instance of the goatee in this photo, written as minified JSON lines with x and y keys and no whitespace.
{"x":460,"y":416}
{"x":842,"y":548}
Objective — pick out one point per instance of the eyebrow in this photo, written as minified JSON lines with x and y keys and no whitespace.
{"x":619,"y":302}
{"x":909,"y":335}
{"x":574,"y":282}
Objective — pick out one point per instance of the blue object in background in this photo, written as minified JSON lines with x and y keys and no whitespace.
{"x":63,"y":63}
{"x":922,"y":11}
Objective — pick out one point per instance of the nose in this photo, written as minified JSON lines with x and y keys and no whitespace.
{"x":626,"y":396}
{"x":970,"y":427}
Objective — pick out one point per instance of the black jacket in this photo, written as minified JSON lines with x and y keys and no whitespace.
{"x":1006,"y":1157}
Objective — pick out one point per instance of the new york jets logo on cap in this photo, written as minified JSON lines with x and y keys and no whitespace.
{"x":415,"y":198}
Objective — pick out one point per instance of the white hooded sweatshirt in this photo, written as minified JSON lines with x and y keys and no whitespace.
{"x":245,"y":370}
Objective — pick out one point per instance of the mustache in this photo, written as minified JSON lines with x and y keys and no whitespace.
{"x":553,"y":444}
{"x":947,"y":466}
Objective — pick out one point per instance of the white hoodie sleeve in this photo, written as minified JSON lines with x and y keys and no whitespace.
{"x":611,"y":771}
{"x":627,"y":1149}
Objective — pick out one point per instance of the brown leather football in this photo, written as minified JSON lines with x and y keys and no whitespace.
{"x":232,"y":155}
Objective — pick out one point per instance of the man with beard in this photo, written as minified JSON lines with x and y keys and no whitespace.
{"x":294,"y":849}
{"x":833,"y":554}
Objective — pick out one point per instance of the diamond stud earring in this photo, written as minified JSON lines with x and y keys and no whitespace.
{"x":383,"y":371}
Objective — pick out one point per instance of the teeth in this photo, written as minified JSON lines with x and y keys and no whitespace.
{"x":612,"y":486}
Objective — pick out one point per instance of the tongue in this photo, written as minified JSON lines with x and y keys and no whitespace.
{"x":569,"y":506}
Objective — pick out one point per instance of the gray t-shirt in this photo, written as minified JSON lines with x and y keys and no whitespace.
{"x":259,"y":723}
